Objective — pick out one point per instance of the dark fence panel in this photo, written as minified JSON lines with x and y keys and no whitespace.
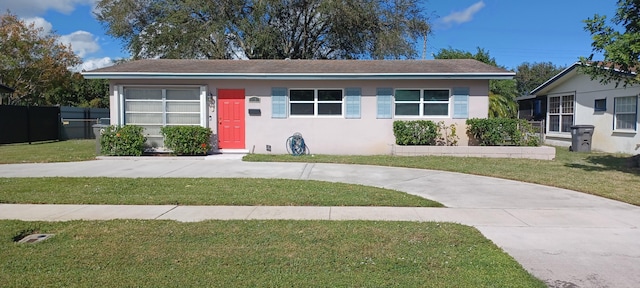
{"x":14,"y":124}
{"x":44,"y":124}
{"x":26,"y":124}
{"x":77,"y":123}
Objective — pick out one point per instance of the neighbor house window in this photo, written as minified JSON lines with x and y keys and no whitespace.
{"x":154,"y":108}
{"x":600,"y":105}
{"x":315,"y":102}
{"x":561,"y":113}
{"x":626,"y":113}
{"x":416,"y":102}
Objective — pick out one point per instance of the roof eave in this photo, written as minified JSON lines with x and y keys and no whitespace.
{"x":525,"y":97}
{"x":296,"y":76}
{"x":554,"y":79}
{"x":6,"y":89}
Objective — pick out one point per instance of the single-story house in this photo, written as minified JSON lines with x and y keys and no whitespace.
{"x":572,"y":98}
{"x":339,"y":106}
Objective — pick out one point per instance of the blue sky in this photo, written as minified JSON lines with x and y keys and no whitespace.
{"x":517,"y":31}
{"x":513,"y":31}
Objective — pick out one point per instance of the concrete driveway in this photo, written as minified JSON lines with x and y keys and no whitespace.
{"x":565,"y":238}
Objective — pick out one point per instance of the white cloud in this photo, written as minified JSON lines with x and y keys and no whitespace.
{"x":92,"y":64}
{"x":82,"y":42}
{"x":460,"y":17}
{"x":39,"y":22}
{"x":30,"y":8}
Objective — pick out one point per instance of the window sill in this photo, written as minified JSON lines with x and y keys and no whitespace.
{"x":625,"y":132}
{"x":565,"y":135}
{"x":316,"y":116}
{"x":423,"y":117}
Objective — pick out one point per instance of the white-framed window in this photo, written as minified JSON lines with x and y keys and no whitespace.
{"x":155,"y":107}
{"x":315,"y":102}
{"x":626,"y":113}
{"x":561,"y":113}
{"x":422,"y":102}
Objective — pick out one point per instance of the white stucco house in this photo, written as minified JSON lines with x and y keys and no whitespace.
{"x":339,"y":106}
{"x":573,"y":98}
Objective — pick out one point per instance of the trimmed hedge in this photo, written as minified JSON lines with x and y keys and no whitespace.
{"x":418,"y":132}
{"x":502,"y":132}
{"x":187,"y":140}
{"x":425,"y":132}
{"x":126,"y":140}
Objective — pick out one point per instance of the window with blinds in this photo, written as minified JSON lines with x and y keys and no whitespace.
{"x":154,"y":108}
{"x":626,"y":111}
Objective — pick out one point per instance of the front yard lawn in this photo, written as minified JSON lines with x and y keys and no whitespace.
{"x":42,"y":152}
{"x":603,"y":174}
{"x":136,"y":253}
{"x":201,"y":191}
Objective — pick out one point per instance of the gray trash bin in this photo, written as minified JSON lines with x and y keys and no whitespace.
{"x":98,"y":129}
{"x":581,"y":138}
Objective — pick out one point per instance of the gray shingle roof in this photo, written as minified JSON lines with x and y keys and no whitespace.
{"x":271,"y":68}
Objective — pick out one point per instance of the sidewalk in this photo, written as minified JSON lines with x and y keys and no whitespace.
{"x":566,"y":238}
{"x":472,"y":217}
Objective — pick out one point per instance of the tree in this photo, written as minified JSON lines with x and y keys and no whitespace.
{"x":531,"y":75}
{"x":83,"y":92}
{"x":502,"y":99}
{"x":621,"y":51}
{"x":266,"y":29}
{"x":35,"y":65}
{"x":94,"y":93}
{"x":480,"y":55}
{"x":502,"y":93}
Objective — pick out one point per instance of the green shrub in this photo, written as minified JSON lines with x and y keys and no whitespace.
{"x":187,"y":140}
{"x":447,"y":135}
{"x":418,"y":132}
{"x":124,"y":140}
{"x":502,"y":131}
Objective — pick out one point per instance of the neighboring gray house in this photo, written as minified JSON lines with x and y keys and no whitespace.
{"x":339,"y":106}
{"x":572,"y":98}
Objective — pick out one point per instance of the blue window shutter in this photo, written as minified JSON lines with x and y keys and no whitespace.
{"x":461,"y":102}
{"x":278,"y":102}
{"x":352,"y":103}
{"x":384,"y":99}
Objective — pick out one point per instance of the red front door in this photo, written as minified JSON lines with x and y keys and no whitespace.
{"x":231,"y":119}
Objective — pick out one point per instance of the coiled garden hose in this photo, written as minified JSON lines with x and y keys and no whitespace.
{"x":295,"y":145}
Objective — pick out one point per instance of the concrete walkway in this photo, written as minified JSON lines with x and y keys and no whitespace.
{"x":566,"y":238}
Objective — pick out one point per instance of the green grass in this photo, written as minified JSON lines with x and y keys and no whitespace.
{"x":201,"y":191}
{"x":41,"y":152}
{"x":601,"y":174}
{"x":255,"y":254}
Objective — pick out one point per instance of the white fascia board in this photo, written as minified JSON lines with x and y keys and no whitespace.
{"x":525,"y":97}
{"x":546,"y":84}
{"x":306,"y":76}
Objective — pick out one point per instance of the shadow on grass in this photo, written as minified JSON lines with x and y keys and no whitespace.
{"x":32,"y":143}
{"x":626,"y":164}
